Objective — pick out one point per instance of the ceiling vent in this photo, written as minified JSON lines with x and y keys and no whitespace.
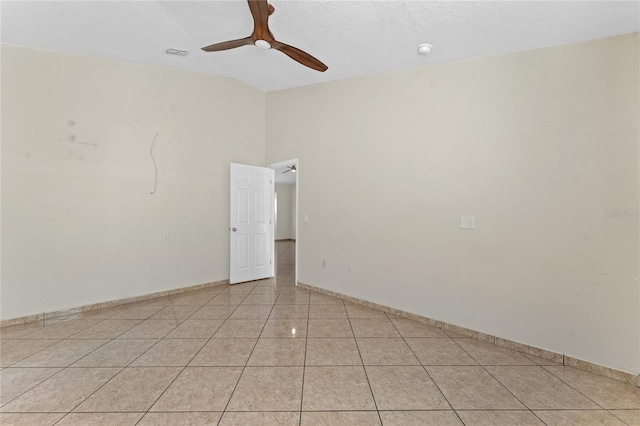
{"x":176,"y":52}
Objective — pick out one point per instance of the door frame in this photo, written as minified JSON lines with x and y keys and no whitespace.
{"x":279,"y":165}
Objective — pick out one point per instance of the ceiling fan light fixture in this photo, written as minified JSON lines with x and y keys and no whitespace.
{"x":263,"y":44}
{"x":293,"y":169}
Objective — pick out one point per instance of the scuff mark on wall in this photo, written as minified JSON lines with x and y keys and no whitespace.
{"x":133,"y":127}
{"x":95,"y":145}
{"x":155,"y":164}
{"x":70,"y":138}
{"x":73,"y":138}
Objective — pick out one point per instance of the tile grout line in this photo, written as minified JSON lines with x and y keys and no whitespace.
{"x":187,"y":364}
{"x":601,"y":408}
{"x":61,"y":368}
{"x":424,"y":368}
{"x":304,"y":362}
{"x":608,"y":410}
{"x":366,"y":375}
{"x":59,"y":339}
{"x":193,"y":357}
{"x":37,"y":384}
{"x":494,"y":378}
{"x":108,"y":340}
{"x":250,"y":353}
{"x":128,"y":365}
{"x":623,"y":421}
{"x":279,"y":292}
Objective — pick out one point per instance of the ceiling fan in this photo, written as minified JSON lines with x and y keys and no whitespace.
{"x":291,"y":169}
{"x":262,"y":38}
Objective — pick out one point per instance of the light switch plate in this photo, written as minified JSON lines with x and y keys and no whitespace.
{"x":467,"y":222}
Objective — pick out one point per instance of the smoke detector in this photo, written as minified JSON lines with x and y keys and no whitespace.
{"x":424,"y":48}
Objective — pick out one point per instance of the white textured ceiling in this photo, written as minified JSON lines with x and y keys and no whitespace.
{"x":353,"y":38}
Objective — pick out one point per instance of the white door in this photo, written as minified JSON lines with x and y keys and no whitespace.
{"x":251,"y":223}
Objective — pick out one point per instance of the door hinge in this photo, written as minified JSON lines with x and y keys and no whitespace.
{"x":270,"y":181}
{"x":271,"y":262}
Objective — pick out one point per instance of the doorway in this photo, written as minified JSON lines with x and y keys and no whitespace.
{"x":286,"y":238}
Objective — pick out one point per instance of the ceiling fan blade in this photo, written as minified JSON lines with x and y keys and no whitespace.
{"x":298,"y":55}
{"x":262,"y":37}
{"x":260,"y":10}
{"x":226,"y":45}
{"x":286,"y":171}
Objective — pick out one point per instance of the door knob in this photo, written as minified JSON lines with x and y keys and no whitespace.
{"x":234,"y":229}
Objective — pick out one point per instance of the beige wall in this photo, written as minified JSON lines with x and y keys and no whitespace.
{"x":79,"y":224}
{"x":536,"y":145}
{"x":285,"y":229}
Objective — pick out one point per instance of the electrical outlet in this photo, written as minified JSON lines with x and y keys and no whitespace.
{"x":324,"y":264}
{"x":166,"y":236}
{"x":467,"y":222}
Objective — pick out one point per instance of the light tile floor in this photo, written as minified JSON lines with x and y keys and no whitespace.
{"x":267,"y":353}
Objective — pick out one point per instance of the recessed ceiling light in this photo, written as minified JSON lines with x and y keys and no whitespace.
{"x":424,"y":48}
{"x":176,"y":52}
